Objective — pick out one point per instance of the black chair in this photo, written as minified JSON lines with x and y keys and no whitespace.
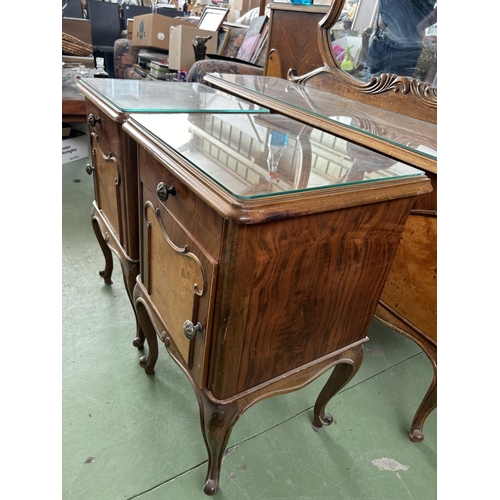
{"x":106,"y":27}
{"x":72,"y":8}
{"x":105,"y":23}
{"x":169,"y":12}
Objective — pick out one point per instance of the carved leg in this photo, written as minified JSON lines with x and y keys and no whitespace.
{"x":130,"y":271}
{"x":140,"y":338}
{"x":343,"y":372}
{"x":147,"y":330}
{"x":108,"y":257}
{"x":429,"y":402}
{"x":217,"y":422}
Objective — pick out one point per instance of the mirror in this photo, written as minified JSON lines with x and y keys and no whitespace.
{"x":374,"y":37}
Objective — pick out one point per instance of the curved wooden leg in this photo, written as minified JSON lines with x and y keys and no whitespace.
{"x":217,"y":422}
{"x":108,"y":257}
{"x":130,"y":272}
{"x":146,"y":328}
{"x":140,"y":338}
{"x":343,"y":372}
{"x":428,"y":404}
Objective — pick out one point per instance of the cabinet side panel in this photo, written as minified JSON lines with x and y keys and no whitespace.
{"x":298,"y":289}
{"x":411,"y":288}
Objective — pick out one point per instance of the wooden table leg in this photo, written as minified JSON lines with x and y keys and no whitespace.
{"x":429,"y":403}
{"x":429,"y":346}
{"x":342,"y":373}
{"x":108,"y":257}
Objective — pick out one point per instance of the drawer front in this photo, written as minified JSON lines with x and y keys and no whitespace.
{"x":179,"y":275}
{"x":198,"y":219}
{"x":108,"y":131}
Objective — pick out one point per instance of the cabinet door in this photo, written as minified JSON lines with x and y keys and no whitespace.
{"x":179,"y":276}
{"x":108,"y":179}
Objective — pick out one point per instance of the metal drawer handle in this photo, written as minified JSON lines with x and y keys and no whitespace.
{"x":92,"y":120}
{"x":162,"y":191}
{"x":190,"y":329}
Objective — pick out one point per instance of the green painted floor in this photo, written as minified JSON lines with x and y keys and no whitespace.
{"x":127,"y":435}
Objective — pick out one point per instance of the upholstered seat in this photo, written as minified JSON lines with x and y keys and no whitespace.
{"x":126,"y":55}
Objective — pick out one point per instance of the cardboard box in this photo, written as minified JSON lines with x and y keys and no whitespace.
{"x":153,"y":30}
{"x":181,"y":52}
{"x":75,"y":147}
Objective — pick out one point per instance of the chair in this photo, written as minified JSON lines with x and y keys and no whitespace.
{"x":125,"y":56}
{"x":72,"y":8}
{"x":130,"y":11}
{"x":105,"y":24}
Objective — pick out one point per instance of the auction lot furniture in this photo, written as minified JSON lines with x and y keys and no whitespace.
{"x":263,"y":255}
{"x":114,"y":166}
{"x":264,"y":241}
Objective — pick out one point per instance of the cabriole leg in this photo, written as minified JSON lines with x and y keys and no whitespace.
{"x":428,"y":404}
{"x":108,"y":257}
{"x":343,"y":372}
{"x":217,"y":422}
{"x":147,"y":330}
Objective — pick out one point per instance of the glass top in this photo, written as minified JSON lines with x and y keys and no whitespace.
{"x":148,"y":96}
{"x":405,"y":132}
{"x":261,"y":155}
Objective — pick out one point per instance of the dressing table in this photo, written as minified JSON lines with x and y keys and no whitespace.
{"x":389,"y":113}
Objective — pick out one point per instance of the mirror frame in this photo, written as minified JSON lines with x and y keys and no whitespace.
{"x":402,"y":94}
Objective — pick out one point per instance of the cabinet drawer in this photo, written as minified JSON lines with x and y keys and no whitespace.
{"x":179,"y":276}
{"x":201,"y":221}
{"x":107,"y":130}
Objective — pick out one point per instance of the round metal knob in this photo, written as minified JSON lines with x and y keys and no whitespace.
{"x":92,"y":120}
{"x":190,"y":329}
{"x":162,"y":191}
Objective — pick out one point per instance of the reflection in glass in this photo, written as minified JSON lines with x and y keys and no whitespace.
{"x":253,"y":156}
{"x":387,"y":36}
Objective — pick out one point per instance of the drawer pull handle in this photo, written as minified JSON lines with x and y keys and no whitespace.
{"x":162,"y":191}
{"x":190,"y":329}
{"x":92,"y":120}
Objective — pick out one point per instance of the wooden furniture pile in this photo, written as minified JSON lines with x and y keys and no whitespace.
{"x":257,"y":279}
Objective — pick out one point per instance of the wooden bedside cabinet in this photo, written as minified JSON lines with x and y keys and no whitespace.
{"x":258,"y":280}
{"x":114,"y":157}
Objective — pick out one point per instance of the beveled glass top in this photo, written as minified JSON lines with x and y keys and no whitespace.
{"x":151,"y":96}
{"x":260,"y":155}
{"x":413,"y":135}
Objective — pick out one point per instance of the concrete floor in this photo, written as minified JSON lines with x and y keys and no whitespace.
{"x":127,"y":435}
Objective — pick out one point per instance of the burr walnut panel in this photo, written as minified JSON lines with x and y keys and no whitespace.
{"x":179,"y":277}
{"x":411,"y":287}
{"x":107,"y":179}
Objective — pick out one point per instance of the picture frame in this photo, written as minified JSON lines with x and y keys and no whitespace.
{"x":222,"y":40}
{"x":212,"y":18}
